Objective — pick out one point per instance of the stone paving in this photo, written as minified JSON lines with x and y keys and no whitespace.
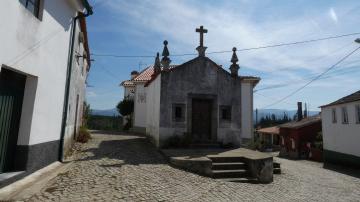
{"x":125,"y":167}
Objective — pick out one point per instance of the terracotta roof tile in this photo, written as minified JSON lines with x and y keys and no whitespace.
{"x":145,"y":75}
{"x":304,"y":122}
{"x":269,"y":130}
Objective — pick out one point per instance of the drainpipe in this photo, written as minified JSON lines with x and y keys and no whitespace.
{"x":68,"y":78}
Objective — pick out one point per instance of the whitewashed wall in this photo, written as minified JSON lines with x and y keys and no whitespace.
{"x":247,"y":110}
{"x":153,"y":109}
{"x":77,"y":88}
{"x":140,"y":101}
{"x":339,"y":137}
{"x":40,"y":49}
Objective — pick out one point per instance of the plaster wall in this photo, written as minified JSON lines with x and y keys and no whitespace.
{"x":247,"y":110}
{"x":140,"y":102}
{"x":153,"y":110}
{"x":201,"y":78}
{"x":339,"y":137}
{"x":38,"y":48}
{"x":77,"y":92}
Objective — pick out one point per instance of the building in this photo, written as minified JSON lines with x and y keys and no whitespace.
{"x":297,"y":137}
{"x":198,"y":100}
{"x":269,"y":138}
{"x":129,"y":86}
{"x":341,"y":130}
{"x":42,"y":82}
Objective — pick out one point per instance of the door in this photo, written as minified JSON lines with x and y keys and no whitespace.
{"x":201,"y":120}
{"x":11,"y":97}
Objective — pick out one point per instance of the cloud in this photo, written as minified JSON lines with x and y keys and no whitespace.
{"x":333,"y":15}
{"x":242,"y":24}
{"x":91,"y":94}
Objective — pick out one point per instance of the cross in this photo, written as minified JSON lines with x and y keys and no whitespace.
{"x":201,"y":30}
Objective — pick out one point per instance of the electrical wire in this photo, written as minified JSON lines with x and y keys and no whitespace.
{"x":227,"y":51}
{"x":314,"y":79}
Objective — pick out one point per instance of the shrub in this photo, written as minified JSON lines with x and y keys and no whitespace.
{"x":83,"y":135}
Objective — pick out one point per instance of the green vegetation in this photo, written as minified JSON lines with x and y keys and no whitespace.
{"x":98,"y":122}
{"x":126,"y":109}
{"x":83,"y":135}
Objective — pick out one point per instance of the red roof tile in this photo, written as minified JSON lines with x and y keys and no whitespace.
{"x":145,"y":75}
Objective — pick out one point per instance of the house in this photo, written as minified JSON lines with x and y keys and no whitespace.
{"x":129,"y":86}
{"x":341,"y":130}
{"x":269,"y":137}
{"x":44,"y":63}
{"x":297,"y":136}
{"x":197,"y":100}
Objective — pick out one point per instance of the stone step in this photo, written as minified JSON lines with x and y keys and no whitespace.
{"x":225,"y":159}
{"x":277,"y":171}
{"x":240,"y":180}
{"x":228,"y":166}
{"x":229,"y":173}
{"x":205,"y":145}
{"x":276,"y":165}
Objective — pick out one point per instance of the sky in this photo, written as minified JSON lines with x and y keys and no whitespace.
{"x":139,"y":27}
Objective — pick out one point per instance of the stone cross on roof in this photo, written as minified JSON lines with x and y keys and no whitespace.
{"x":201,"y":30}
{"x":201,"y":49}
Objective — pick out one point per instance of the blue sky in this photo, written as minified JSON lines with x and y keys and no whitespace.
{"x":138,"y":27}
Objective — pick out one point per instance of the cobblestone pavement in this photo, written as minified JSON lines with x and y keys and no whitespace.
{"x":128,"y":168}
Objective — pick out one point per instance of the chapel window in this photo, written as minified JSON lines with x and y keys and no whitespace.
{"x":225,"y":113}
{"x":34,"y":6}
{"x":345,"y":118}
{"x":334,"y":120}
{"x":178,"y":112}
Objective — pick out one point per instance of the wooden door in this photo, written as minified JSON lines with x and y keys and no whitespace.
{"x":11,"y":97}
{"x":201,"y":120}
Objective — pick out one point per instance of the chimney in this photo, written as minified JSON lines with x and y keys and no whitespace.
{"x":134,"y":74}
{"x":299,"y":111}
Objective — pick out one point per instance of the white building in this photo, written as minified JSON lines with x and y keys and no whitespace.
{"x":197,"y":100}
{"x":44,"y":61}
{"x":341,"y":130}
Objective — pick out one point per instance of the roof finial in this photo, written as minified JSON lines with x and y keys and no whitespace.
{"x":201,"y":48}
{"x":234,"y":68}
{"x":157,"y":66}
{"x":165,"y":61}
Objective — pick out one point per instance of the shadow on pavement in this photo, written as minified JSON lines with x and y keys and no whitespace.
{"x":354,"y":172}
{"x":131,"y":149}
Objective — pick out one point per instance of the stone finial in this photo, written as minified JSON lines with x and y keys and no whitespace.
{"x":157,"y":65}
{"x":165,"y":61}
{"x":234,"y":68}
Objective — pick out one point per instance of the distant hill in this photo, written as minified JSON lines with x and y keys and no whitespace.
{"x":105,"y":112}
{"x":280,"y":113}
{"x":261,"y":112}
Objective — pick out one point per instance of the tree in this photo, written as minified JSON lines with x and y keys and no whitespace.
{"x":126,"y":108}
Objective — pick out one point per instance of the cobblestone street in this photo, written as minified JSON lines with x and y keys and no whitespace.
{"x":128,"y":168}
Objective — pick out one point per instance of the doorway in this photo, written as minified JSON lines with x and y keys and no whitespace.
{"x":201,"y":120}
{"x":12,"y":87}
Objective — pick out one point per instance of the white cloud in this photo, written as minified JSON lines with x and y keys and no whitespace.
{"x":91,"y":94}
{"x":333,"y":15}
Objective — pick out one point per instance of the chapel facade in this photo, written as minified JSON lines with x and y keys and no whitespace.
{"x":198,"y":100}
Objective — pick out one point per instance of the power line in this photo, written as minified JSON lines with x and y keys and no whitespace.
{"x":228,"y":51}
{"x":314,"y":79}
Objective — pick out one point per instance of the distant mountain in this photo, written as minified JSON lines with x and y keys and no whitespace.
{"x":105,"y":112}
{"x":261,"y":112}
{"x":279,"y":113}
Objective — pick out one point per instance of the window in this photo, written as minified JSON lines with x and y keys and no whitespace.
{"x":225,"y":113}
{"x":334,"y":120}
{"x":178,"y":112}
{"x":345,"y":118}
{"x":357,"y":113}
{"x":34,"y":6}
